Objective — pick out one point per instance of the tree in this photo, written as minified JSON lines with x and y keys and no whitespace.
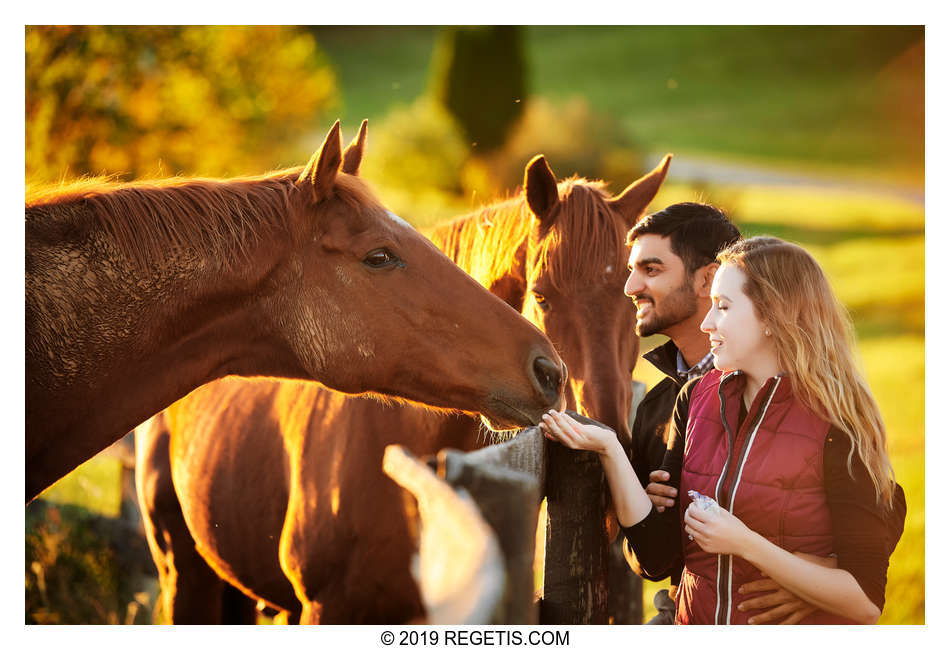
{"x":156,"y":100}
{"x":479,"y":76}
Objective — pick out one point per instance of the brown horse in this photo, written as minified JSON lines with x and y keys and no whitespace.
{"x":278,"y":485}
{"x":138,"y":293}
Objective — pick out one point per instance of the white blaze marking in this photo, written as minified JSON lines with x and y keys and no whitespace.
{"x":398,"y":219}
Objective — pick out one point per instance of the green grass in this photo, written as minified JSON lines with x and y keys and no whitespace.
{"x":378,"y":68}
{"x":775,"y":93}
{"x":95,"y":485}
{"x":895,"y":368}
{"x":840,"y":99}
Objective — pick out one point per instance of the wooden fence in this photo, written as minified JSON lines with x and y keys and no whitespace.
{"x":477,"y":514}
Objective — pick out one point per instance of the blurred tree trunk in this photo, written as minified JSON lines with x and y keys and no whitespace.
{"x":479,"y":76}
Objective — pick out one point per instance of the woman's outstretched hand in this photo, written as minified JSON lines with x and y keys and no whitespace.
{"x":631,"y":503}
{"x":564,"y":429}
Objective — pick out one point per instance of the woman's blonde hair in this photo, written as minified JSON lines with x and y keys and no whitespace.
{"x":815,"y":341}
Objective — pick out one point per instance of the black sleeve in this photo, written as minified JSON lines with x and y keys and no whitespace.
{"x":865,"y":532}
{"x":653,"y":546}
{"x":673,"y":460}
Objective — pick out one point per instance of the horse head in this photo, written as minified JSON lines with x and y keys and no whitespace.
{"x":366,"y":304}
{"x":575,"y":269}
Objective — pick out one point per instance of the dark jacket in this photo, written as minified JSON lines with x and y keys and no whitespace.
{"x":650,"y":433}
{"x":651,"y":427}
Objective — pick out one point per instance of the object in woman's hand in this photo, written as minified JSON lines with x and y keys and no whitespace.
{"x":703,"y":502}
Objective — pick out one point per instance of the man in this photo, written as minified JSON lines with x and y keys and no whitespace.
{"x":672,"y":264}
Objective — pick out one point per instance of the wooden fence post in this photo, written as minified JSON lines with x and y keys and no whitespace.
{"x":575,"y":567}
{"x":508,"y":500}
{"x":461,"y":573}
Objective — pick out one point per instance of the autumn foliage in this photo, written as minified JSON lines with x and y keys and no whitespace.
{"x":162,"y":100}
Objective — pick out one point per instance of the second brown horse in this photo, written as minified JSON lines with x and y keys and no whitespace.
{"x":277,"y":487}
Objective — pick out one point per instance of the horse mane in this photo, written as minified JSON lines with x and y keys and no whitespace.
{"x":222,"y":219}
{"x":486,"y":243}
{"x":585,"y":239}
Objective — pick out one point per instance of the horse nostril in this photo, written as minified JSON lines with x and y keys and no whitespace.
{"x":549,"y":377}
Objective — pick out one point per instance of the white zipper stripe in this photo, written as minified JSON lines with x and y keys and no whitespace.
{"x":748,"y":448}
{"x":735,"y":488}
{"x":718,"y":578}
{"x":725,"y":466}
{"x":729,"y":604}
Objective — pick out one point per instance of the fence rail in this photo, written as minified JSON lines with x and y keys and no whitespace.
{"x":477,"y":514}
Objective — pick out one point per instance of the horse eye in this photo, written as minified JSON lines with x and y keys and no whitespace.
{"x":379,"y":258}
{"x":541,"y":300}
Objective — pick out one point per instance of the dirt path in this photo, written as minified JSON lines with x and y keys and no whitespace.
{"x":694,"y":169}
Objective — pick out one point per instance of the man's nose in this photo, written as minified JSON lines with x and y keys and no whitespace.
{"x":633,"y":286}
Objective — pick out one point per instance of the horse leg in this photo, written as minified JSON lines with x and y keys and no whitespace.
{"x":236,"y":607}
{"x":292,"y":552}
{"x":310,"y":615}
{"x":362,"y":589}
{"x":192,"y":593}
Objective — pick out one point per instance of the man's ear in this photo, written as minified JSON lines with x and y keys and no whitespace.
{"x":703,"y":279}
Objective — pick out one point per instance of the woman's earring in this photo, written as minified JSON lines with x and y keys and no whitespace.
{"x":767,"y":332}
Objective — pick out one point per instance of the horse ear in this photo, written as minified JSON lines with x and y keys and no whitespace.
{"x":540,"y":189}
{"x":353,"y":155}
{"x":634,"y":200}
{"x":321,"y":171}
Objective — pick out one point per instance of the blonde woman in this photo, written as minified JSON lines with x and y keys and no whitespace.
{"x":785,"y":445}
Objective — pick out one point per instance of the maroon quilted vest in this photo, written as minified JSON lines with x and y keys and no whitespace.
{"x":770,"y":477}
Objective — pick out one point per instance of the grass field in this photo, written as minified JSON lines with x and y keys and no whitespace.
{"x":846,"y":100}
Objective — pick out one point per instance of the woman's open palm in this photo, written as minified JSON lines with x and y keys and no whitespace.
{"x":572,"y":434}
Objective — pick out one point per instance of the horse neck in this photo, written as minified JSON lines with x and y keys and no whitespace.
{"x":490,"y":246}
{"x":109,"y":344}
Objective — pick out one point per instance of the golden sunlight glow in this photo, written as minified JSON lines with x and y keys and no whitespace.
{"x":335,"y":499}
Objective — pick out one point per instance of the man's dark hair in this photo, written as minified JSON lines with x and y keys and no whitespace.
{"x":697,"y":232}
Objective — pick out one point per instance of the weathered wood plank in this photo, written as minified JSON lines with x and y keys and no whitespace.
{"x":461,"y":573}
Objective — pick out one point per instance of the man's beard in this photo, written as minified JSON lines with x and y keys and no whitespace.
{"x":674,"y":309}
